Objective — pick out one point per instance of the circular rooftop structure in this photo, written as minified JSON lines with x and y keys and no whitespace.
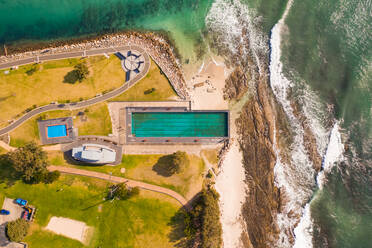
{"x":132,"y":62}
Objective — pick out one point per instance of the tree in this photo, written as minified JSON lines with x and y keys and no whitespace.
{"x":79,"y":73}
{"x":29,"y":160}
{"x":170,"y":164}
{"x":122,"y":192}
{"x":179,"y":162}
{"x":17,"y":230}
{"x":202,"y":224}
{"x":211,"y":225}
{"x":82,"y":71}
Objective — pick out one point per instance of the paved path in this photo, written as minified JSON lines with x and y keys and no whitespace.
{"x":129,"y":182}
{"x":82,"y":104}
{"x":6,"y":146}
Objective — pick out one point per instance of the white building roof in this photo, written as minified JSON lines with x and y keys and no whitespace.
{"x":94,"y":153}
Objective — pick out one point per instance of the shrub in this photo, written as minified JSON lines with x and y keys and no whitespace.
{"x":32,"y":70}
{"x":149,"y":91}
{"x":17,"y":230}
{"x":209,"y":174}
{"x":134,"y":191}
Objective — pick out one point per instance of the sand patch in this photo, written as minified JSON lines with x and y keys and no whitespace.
{"x":206,"y":86}
{"x":72,"y":229}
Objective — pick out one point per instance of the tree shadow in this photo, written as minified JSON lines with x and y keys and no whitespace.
{"x":4,"y":241}
{"x":162,"y":166}
{"x":7,"y":173}
{"x":177,"y":234}
{"x":178,"y":225}
{"x":71,"y":77}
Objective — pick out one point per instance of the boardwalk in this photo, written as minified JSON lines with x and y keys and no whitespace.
{"x":115,"y":179}
{"x":81,"y":104}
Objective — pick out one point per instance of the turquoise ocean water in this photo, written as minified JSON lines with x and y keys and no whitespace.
{"x":326,"y":48}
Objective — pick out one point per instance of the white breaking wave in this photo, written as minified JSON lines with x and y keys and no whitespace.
{"x":334,"y":154}
{"x":233,"y":23}
{"x":297,"y":178}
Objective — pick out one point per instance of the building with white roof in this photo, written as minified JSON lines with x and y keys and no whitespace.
{"x":94,"y":153}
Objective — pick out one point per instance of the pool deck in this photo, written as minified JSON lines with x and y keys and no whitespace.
{"x":130,"y":139}
{"x":43,"y":126}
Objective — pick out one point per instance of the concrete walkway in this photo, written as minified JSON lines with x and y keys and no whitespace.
{"x":115,"y":179}
{"x":9,"y":148}
{"x":6,"y":146}
{"x":82,"y":104}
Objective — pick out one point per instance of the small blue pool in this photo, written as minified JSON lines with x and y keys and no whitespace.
{"x":56,"y":131}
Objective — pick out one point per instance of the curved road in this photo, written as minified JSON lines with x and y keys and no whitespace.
{"x":82,"y":104}
{"x":115,"y":179}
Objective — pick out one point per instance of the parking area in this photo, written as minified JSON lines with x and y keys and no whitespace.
{"x":14,"y":209}
{"x":15,"y":213}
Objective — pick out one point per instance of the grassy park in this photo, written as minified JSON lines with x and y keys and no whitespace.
{"x":94,"y":120}
{"x":143,"y":221}
{"x":143,"y":168}
{"x":21,"y":90}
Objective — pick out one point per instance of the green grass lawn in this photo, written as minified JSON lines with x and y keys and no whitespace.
{"x":154,"y":79}
{"x":20,"y":91}
{"x":98,"y":122}
{"x":140,"y":167}
{"x":143,"y":221}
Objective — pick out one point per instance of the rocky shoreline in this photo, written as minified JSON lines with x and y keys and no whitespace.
{"x":156,"y":45}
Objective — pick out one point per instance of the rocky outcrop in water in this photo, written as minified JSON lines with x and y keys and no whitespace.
{"x":256,"y":129}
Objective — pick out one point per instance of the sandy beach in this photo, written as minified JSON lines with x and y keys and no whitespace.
{"x":205,"y":88}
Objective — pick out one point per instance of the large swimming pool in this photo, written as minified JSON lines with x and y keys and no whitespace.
{"x":180,"y":124}
{"x":56,"y":131}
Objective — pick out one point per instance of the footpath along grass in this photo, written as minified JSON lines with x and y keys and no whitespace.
{"x":20,"y":91}
{"x":144,"y":221}
{"x":98,"y":119}
{"x":141,"y":168}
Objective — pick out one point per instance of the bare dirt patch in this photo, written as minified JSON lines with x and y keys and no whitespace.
{"x":69,"y":228}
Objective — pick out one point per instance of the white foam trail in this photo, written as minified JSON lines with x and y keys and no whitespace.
{"x":229,"y":20}
{"x":296,"y":179}
{"x":303,"y":231}
{"x":333,"y":154}
{"x":232,"y":189}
